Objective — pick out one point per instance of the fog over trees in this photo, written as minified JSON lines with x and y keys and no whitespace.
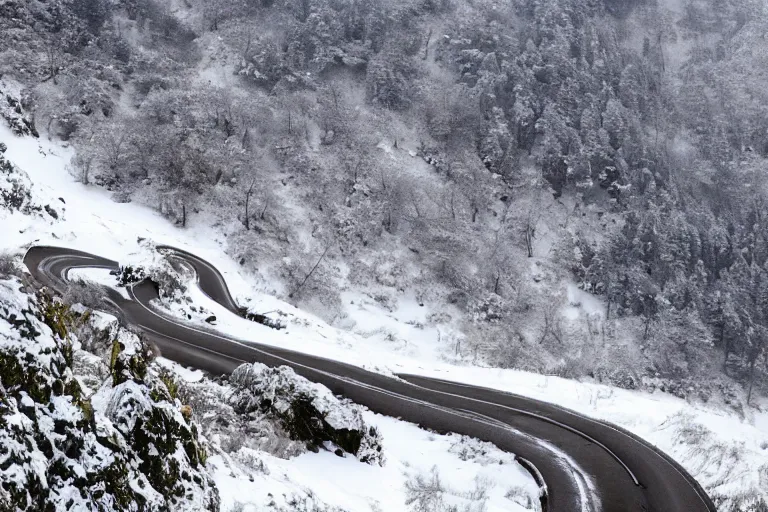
{"x":474,"y":154}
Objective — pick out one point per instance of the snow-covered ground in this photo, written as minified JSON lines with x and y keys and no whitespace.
{"x":96,"y":275}
{"x":465,"y":467}
{"x":728,"y":453}
{"x":89,"y":220}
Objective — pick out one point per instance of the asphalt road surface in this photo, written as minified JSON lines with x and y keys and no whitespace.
{"x":585,"y":464}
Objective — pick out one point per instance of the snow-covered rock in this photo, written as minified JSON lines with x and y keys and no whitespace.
{"x":307,"y":411}
{"x":16,"y":191}
{"x":127,"y":447}
{"x":12,"y":111}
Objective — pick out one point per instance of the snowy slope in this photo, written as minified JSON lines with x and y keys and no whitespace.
{"x":89,"y":220}
{"x":728,"y":453}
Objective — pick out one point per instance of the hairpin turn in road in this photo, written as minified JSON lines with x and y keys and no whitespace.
{"x":585,"y":464}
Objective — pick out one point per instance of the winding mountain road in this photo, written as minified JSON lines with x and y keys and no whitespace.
{"x":586,"y":464}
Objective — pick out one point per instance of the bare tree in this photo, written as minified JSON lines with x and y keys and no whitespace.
{"x":552,"y":323}
{"x":113,"y":143}
{"x":309,"y":274}
{"x":393,"y":193}
{"x":83,"y":163}
{"x":248,"y":202}
{"x":530,"y":233}
{"x":53,"y":57}
{"x":757,"y":335}
{"x":143,"y":144}
{"x":8,"y":264}
{"x":426,"y":45}
{"x":216,"y":11}
{"x":500,"y":259}
{"x":247,"y":217}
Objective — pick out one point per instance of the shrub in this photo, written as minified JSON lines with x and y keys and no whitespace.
{"x":8,"y":265}
{"x":128,"y":274}
{"x":261,"y":319}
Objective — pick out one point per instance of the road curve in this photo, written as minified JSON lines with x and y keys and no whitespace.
{"x":587,"y":465}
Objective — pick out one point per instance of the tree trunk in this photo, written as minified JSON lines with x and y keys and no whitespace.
{"x":50,"y":122}
{"x":529,"y":235}
{"x":661,"y":53}
{"x":647,"y":326}
{"x":51,"y":63}
{"x":86,"y":172}
{"x":335,"y":94}
{"x":183,"y":215}
{"x":247,"y":51}
{"x":751,"y":379}
{"x":247,"y":219}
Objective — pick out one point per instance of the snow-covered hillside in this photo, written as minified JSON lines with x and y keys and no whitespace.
{"x":254,"y":464}
{"x":726,"y":449}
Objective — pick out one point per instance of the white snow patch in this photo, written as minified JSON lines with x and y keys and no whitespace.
{"x":99,"y":276}
{"x":463,"y":464}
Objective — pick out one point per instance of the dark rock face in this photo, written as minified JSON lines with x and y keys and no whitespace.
{"x":53,"y":213}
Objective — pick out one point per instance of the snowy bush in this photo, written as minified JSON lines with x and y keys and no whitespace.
{"x":18,"y":120}
{"x":272,"y":323}
{"x":750,"y":501}
{"x":8,"y":265}
{"x":128,"y":274}
{"x":428,"y":493}
{"x":489,"y":308}
{"x":521,"y":496}
{"x":85,"y":293}
{"x":718,"y":465}
{"x":480,"y":452}
{"x":16,"y":190}
{"x":308,"y":412}
{"x":306,"y":503}
{"x":425,"y":493}
{"x":616,"y":376}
